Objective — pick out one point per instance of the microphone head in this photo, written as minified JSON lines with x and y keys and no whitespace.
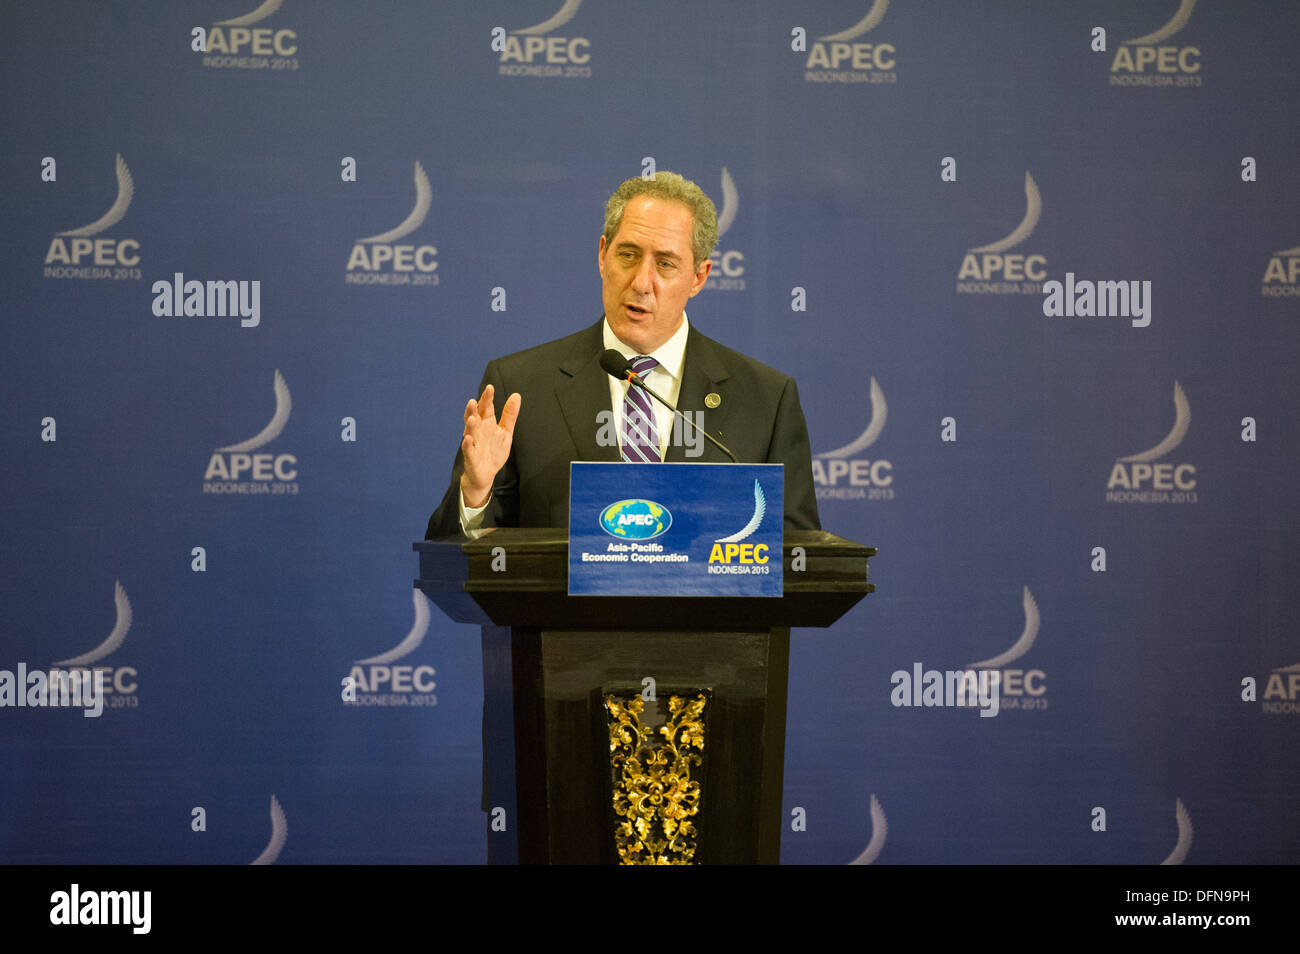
{"x":615,"y":364}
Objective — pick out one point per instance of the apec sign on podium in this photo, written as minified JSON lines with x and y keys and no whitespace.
{"x":676,"y":529}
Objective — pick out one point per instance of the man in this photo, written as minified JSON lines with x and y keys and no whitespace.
{"x":653,"y":257}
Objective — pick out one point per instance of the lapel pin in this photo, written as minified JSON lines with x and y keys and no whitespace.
{"x":712,"y":399}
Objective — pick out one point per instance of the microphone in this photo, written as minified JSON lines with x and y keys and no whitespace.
{"x":616,"y":365}
{"x":619,"y":367}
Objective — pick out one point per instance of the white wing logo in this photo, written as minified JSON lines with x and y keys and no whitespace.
{"x":1021,"y":645}
{"x":760,"y":508}
{"x":879,"y":411}
{"x":1033,"y":209}
{"x":1184,"y":845}
{"x":562,"y":16}
{"x":879,"y":829}
{"x":279,"y":832}
{"x":1182,"y":421}
{"x":115,"y":637}
{"x":283,"y":405}
{"x":1176,"y":23}
{"x":730,"y":203}
{"x":261,"y":13}
{"x":423,"y":199}
{"x":413,"y":638}
{"x":125,"y":190}
{"x":874,"y":16}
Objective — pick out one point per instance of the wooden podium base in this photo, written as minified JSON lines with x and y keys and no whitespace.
{"x":628,"y":730}
{"x":714,"y":799}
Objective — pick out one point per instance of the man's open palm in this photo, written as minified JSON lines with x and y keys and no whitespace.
{"x":486,"y":444}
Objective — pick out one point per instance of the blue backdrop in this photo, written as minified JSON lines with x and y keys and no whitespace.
{"x":210,"y":493}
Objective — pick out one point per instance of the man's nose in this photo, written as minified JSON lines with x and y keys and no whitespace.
{"x":643,"y":280}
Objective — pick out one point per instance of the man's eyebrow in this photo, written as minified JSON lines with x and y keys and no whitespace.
{"x":633,"y":246}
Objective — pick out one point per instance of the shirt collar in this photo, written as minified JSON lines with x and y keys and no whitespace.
{"x":671,"y":355}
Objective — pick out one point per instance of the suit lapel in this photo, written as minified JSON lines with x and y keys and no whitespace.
{"x":583,"y":392}
{"x":703,"y":373}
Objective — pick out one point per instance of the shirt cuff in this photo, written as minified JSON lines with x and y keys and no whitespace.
{"x":471,"y":518}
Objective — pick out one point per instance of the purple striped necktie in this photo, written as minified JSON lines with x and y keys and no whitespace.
{"x":640,"y":433}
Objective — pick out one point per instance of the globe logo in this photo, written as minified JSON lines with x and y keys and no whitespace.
{"x":635,"y":519}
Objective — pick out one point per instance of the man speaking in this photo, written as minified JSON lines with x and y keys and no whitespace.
{"x":563,"y":406}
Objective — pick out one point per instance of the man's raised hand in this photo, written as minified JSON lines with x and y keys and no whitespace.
{"x":486,"y":445}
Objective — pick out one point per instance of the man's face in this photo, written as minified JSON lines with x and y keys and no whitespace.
{"x":647,"y":272}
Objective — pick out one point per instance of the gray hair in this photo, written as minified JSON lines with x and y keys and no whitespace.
{"x":668,"y":185}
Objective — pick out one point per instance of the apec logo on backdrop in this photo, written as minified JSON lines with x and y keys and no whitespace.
{"x":279,"y":835}
{"x":994,"y":269}
{"x":376,"y":681}
{"x":1282,"y":274}
{"x":1149,"y":61}
{"x":845,"y":474}
{"x":1018,"y":687}
{"x":86,"y":253}
{"x":241,"y":43}
{"x":77,"y":682}
{"x":844,"y":57}
{"x":728,"y":265}
{"x":120,"y":681}
{"x":1145,"y":478}
{"x":1281,"y":691}
{"x":989,"y":686}
{"x":236,"y":469}
{"x":383,"y":260}
{"x":538,"y":51}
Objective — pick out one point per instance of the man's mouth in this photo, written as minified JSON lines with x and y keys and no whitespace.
{"x":636,"y":309}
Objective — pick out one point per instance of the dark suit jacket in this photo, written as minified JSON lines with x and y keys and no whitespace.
{"x":564,"y":389}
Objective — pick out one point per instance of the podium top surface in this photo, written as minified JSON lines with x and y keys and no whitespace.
{"x":519,"y":577}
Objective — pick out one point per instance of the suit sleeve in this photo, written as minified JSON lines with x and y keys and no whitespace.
{"x":790,"y":446}
{"x":503,"y":508}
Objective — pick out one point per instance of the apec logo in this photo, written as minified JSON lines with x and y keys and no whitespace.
{"x":841,"y":58}
{"x":375,"y":681}
{"x":533,"y":52}
{"x":986,"y":270}
{"x":118,"y":681}
{"x":866,"y":479}
{"x":233,"y":470}
{"x":1148,"y":61}
{"x":636,"y":519}
{"x":1144,"y":478}
{"x":237,"y":44}
{"x":74,"y":254}
{"x":378,"y":260}
{"x":728,"y":265}
{"x":1282,"y":277}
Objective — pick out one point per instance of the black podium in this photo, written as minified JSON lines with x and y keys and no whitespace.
{"x":633,"y":729}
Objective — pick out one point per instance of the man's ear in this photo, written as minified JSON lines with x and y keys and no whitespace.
{"x":701,"y":274}
{"x":600,"y":254}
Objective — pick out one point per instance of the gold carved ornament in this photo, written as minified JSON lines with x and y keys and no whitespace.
{"x":654,"y":794}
